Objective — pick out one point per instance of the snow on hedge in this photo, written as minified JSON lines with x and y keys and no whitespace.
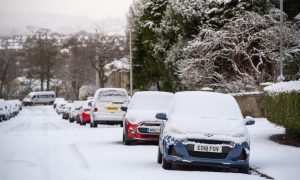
{"x":281,"y":87}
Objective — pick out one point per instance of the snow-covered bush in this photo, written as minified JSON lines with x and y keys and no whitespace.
{"x":282,"y":102}
{"x":86,"y":91}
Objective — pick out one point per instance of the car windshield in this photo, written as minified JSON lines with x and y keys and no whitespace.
{"x":206,"y":105}
{"x":151,"y":101}
{"x":112,"y":95}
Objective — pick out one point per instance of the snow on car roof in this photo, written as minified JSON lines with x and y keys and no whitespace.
{"x":205,"y":104}
{"x":151,"y":100}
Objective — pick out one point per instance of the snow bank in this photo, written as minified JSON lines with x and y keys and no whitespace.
{"x":283,"y":87}
{"x":256,"y":93}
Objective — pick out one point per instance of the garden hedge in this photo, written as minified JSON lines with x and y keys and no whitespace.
{"x":283,"y":108}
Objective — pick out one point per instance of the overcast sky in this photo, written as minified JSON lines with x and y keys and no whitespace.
{"x":94,"y":9}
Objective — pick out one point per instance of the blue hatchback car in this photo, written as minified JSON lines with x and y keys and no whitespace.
{"x":205,"y":129}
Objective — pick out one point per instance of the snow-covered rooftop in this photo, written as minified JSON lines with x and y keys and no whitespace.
{"x":117,"y":65}
{"x":283,"y":87}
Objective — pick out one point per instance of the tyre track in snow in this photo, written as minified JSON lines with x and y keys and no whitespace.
{"x":18,"y":127}
{"x":78,"y":155}
{"x":29,"y":124}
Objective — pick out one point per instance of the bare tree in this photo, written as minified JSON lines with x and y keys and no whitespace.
{"x":80,"y":71}
{"x":42,"y":55}
{"x":103,"y":49}
{"x":8,"y":71}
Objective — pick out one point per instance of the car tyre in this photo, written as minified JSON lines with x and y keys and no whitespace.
{"x":244,"y":170}
{"x":126,"y":141}
{"x":166,"y":165}
{"x":93,"y":125}
{"x":159,"y":156}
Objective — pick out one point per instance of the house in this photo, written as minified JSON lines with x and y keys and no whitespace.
{"x":117,"y":73}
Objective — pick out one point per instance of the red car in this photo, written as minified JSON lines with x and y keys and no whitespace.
{"x":139,"y":123}
{"x":84,"y":115}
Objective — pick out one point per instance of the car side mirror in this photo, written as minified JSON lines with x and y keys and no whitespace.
{"x":161,"y":116}
{"x":123,"y":108}
{"x":249,"y":120}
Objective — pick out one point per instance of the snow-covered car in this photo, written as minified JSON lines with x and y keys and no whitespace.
{"x":84,"y":115}
{"x":66,"y":111}
{"x":75,"y":109}
{"x":3,"y":113}
{"x":204,"y":128}
{"x":106,"y":107}
{"x":15,"y":105}
{"x":60,"y":106}
{"x":139,"y":123}
{"x":10,"y":109}
{"x":57,"y":100}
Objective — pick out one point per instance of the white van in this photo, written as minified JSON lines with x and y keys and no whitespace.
{"x":106,"y":106}
{"x":41,"y":97}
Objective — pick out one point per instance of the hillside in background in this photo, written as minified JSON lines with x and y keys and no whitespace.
{"x":16,"y":23}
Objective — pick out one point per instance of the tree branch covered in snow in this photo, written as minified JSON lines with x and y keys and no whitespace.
{"x":247,"y":46}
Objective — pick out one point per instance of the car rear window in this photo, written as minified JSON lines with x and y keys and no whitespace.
{"x":112,"y":95}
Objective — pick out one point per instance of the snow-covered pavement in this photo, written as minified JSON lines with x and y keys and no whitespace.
{"x":39,"y":145}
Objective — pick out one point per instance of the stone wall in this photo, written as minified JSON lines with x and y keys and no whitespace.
{"x":251,"y":104}
{"x":118,"y":79}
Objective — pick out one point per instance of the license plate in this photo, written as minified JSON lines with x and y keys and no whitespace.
{"x":208,"y":148}
{"x":112,"y":108}
{"x":153,"y":130}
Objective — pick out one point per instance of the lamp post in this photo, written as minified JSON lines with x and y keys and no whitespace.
{"x":130,"y":59}
{"x":280,"y":78}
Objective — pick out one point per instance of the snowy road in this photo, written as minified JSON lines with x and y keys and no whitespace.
{"x":39,"y":145}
